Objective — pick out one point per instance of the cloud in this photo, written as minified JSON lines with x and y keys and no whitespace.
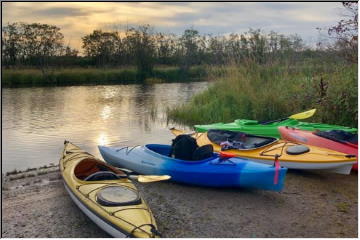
{"x":61,"y":12}
{"x":79,"y":18}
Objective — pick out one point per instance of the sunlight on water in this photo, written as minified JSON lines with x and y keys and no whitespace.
{"x":106,"y":112}
{"x":36,"y":121}
{"x":102,"y":139}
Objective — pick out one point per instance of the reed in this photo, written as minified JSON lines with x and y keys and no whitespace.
{"x":252,"y":91}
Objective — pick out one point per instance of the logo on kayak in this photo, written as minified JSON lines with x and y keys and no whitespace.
{"x":297,"y":137}
{"x":148,"y":163}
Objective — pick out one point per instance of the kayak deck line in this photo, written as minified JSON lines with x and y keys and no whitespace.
{"x":315,"y":159}
{"x":113,"y":213}
{"x":286,"y":143}
{"x":107,"y":226}
{"x":87,"y":196}
{"x":116,"y":216}
{"x":336,"y":140}
{"x":211,"y":171}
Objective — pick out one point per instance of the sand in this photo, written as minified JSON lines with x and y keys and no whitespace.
{"x":312,"y":204}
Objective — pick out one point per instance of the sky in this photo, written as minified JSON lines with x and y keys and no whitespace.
{"x":77,"y":19}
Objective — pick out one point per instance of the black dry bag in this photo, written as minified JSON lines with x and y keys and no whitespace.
{"x":183,"y":147}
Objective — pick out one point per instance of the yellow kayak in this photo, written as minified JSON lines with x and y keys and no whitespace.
{"x":106,"y":195}
{"x":304,"y":156}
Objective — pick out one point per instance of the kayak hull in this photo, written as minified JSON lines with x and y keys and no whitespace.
{"x":271,"y":129}
{"x":308,"y":137}
{"x":133,"y":219}
{"x":211,"y":172}
{"x":316,"y":159}
{"x":114,"y":232}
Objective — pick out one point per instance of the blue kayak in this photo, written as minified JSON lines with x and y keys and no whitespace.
{"x":153,"y":159}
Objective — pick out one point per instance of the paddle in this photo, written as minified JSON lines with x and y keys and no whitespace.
{"x":144,"y":178}
{"x":302,"y":115}
{"x":149,"y":178}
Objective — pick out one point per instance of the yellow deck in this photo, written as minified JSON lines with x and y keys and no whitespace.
{"x":315,"y":155}
{"x":125,"y":218}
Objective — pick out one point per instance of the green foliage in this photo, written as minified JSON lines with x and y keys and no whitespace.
{"x":259,"y":92}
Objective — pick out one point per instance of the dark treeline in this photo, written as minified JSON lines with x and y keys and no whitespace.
{"x":42,"y":46}
{"x":29,"y":44}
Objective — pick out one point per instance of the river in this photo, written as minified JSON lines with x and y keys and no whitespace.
{"x":36,"y":121}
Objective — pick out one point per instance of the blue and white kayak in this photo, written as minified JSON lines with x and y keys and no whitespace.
{"x":214,"y":171}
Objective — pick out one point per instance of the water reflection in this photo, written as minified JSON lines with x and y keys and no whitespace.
{"x":102,"y":139}
{"x":106,"y":112}
{"x":36,"y":121}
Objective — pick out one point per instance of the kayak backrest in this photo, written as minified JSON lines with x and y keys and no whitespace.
{"x":203,"y":152}
{"x":102,"y":175}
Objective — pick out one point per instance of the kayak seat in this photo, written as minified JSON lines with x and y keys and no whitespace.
{"x":102,"y":175}
{"x":203,"y":152}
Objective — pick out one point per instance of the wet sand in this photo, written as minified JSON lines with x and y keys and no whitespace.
{"x":312,"y":204}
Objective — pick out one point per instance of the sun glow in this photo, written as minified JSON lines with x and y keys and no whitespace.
{"x":102,"y":139}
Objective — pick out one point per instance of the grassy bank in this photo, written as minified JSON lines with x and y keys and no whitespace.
{"x":85,"y":76}
{"x":259,"y":92}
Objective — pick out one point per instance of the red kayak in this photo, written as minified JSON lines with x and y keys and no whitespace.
{"x":335,"y":140}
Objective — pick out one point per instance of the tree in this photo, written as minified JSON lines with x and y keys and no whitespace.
{"x":346,"y":32}
{"x":165,"y":48}
{"x":10,"y":44}
{"x":189,"y":43}
{"x":33,"y":44}
{"x":142,"y":46}
{"x":102,"y":46}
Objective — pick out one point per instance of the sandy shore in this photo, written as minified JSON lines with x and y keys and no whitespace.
{"x":312,"y":204}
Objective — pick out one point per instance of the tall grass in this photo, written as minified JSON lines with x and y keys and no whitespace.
{"x":253,"y":91}
{"x":84,"y":76}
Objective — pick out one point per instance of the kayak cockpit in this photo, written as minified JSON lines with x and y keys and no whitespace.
{"x":339,"y":136}
{"x":166,"y":150}
{"x":238,"y":140}
{"x":91,"y":169}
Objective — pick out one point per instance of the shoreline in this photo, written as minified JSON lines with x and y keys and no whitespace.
{"x":312,"y":204}
{"x":32,"y":77}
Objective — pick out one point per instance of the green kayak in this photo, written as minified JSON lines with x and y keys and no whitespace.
{"x":270,"y":129}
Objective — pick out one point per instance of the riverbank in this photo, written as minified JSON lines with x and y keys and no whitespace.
{"x":253,"y":91}
{"x":312,"y":204}
{"x":94,"y":76}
